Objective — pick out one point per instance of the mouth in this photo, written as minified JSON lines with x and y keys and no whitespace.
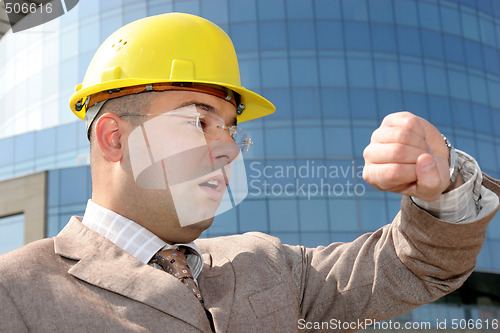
{"x":214,"y":186}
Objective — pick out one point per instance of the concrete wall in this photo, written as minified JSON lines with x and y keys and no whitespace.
{"x":26,"y":195}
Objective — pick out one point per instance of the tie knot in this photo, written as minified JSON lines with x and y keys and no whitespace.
{"x":174,"y":262}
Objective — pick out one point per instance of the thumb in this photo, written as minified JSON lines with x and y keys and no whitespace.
{"x":429,"y":179}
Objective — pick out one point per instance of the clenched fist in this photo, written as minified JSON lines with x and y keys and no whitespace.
{"x":407,"y":155}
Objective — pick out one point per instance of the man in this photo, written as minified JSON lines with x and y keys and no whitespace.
{"x":163,"y":103}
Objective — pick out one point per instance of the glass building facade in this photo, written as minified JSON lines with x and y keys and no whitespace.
{"x":333,"y":69}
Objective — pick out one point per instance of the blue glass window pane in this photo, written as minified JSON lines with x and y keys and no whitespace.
{"x":53,"y":188}
{"x":450,"y":20}
{"x":478,"y":89}
{"x":187,"y":6}
{"x":66,"y":137}
{"x":274,"y":73}
{"x":279,"y":142}
{"x":493,"y":89}
{"x":271,"y":9}
{"x":250,"y":74}
{"x":242,"y":10}
{"x":412,"y":76}
{"x":432,"y":44}
{"x":45,"y":142}
{"x":309,"y":141}
{"x":7,"y":149}
{"x":304,"y":72}
{"x":313,"y":215}
{"x":440,"y":111}
{"x":133,"y":12}
{"x":343,"y":215}
{"x":473,"y":54}
{"x":224,"y":224}
{"x":160,"y":7}
{"x":491,"y":60}
{"x":107,"y":5}
{"x":467,"y":145}
{"x":436,"y":79}
{"x":88,"y":36}
{"x":282,"y":101}
{"x":68,"y":73}
{"x":215,"y":11}
{"x":486,"y":6}
{"x":487,"y":32}
{"x":389,"y":102}
{"x":330,"y":35}
{"x":387,"y":75}
{"x":306,"y":103}
{"x":108,"y":24}
{"x":409,"y":41}
{"x":253,"y":216}
{"x":406,"y":12}
{"x":458,"y":84}
{"x":360,"y":73}
{"x":283,"y":214}
{"x":357,"y":36}
{"x":373,"y":214}
{"x":338,"y":141}
{"x":290,"y":238}
{"x":487,"y":158}
{"x":333,"y":72}
{"x":244,"y":36}
{"x":326,"y":9}
{"x":314,"y":239}
{"x":361,"y":139}
{"x":384,"y":38}
{"x":24,"y":147}
{"x":454,"y":49}
{"x":88,"y":8}
{"x":469,"y":26}
{"x":381,"y":11}
{"x":298,"y":9}
{"x":483,"y":120}
{"x":494,"y":250}
{"x":272,"y":35}
{"x":74,"y":185}
{"x":462,"y":114}
{"x":417,"y":104}
{"x":429,"y":16}
{"x":335,"y":102}
{"x":363,"y":104}
{"x":301,"y":34}
{"x":355,"y":10}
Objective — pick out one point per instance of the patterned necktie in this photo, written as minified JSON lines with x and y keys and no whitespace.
{"x":174,"y":262}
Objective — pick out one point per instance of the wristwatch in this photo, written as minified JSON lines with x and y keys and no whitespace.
{"x":453,"y":160}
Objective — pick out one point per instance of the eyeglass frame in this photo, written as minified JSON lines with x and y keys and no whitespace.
{"x":231,"y":129}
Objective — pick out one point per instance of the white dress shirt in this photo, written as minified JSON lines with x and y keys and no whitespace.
{"x":133,"y":238}
{"x":466,"y":203}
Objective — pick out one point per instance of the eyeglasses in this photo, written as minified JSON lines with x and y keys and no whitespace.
{"x":206,"y":122}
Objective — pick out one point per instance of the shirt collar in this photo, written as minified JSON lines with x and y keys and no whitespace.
{"x":134,"y":238}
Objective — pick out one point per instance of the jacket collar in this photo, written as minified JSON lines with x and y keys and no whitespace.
{"x":103,"y":264}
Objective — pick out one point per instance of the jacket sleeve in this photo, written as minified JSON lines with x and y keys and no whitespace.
{"x":414,"y":260}
{"x":10,"y":318}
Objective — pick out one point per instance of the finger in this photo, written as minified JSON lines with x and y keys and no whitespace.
{"x":380,"y":153}
{"x":390,"y":177}
{"x":406,"y":120}
{"x":430,"y":180}
{"x":400,"y":135}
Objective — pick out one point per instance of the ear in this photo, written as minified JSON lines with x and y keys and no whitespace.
{"x":109,"y":131}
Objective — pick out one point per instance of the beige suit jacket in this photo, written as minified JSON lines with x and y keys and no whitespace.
{"x":79,"y":281}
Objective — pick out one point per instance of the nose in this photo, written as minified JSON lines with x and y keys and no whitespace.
{"x":223,"y":151}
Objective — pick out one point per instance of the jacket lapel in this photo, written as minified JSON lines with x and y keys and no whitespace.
{"x":103,"y":264}
{"x":216,"y":283}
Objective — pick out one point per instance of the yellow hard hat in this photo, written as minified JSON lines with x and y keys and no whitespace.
{"x":173,"y":51}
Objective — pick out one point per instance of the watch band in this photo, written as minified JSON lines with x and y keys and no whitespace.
{"x":453,"y":160}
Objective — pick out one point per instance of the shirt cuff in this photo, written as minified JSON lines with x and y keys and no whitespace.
{"x":462,"y":204}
